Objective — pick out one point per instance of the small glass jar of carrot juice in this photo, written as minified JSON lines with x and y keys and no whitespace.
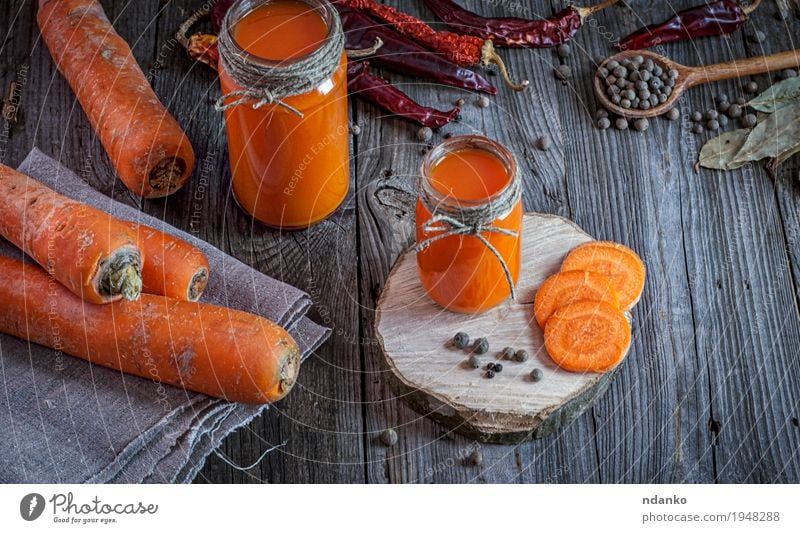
{"x":289,"y":158}
{"x":469,"y":223}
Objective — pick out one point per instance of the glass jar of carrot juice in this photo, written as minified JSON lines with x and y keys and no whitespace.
{"x":289,"y":157}
{"x":469,"y":224}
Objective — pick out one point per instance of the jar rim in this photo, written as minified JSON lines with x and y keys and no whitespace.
{"x":458,"y":143}
{"x":242,"y":8}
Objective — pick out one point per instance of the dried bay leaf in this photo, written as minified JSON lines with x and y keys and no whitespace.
{"x":777,"y":95}
{"x":778,"y":134}
{"x":718,"y":153}
{"x":784,"y":156}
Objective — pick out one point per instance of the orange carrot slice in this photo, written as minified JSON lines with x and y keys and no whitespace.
{"x":574,"y":286}
{"x":621,"y":265}
{"x":587,"y":337}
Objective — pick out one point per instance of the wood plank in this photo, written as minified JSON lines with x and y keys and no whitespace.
{"x":750,"y":326}
{"x":624,"y":186}
{"x":389,"y":154}
{"x":321,"y":420}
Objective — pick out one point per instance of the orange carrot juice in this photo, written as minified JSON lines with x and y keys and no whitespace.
{"x":288,"y":171}
{"x":460,"y":272}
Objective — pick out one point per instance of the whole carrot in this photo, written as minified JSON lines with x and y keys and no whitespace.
{"x":201,"y":347}
{"x":147,"y":147}
{"x":90,"y":252}
{"x":172,"y":267}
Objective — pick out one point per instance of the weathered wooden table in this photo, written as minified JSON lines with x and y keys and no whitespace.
{"x":711,"y":389}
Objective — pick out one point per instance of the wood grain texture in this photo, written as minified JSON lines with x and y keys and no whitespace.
{"x":322,"y":425}
{"x":711,"y":389}
{"x":623,"y":186}
{"x":427,"y":452}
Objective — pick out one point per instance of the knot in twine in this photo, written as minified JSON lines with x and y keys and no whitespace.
{"x":449,"y":220}
{"x":264,"y":85}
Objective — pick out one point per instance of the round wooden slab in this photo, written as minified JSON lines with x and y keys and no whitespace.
{"x":433,"y":377}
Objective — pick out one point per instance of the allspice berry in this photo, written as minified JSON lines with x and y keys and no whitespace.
{"x":544,"y":142}
{"x":481,"y":346}
{"x":425,"y":134}
{"x":389,"y":437}
{"x":461,"y":340}
{"x":476,"y":458}
{"x":562,"y":72}
{"x":673,"y":114}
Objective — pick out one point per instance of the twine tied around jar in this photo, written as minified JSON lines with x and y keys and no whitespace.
{"x":264,"y":85}
{"x":449,"y":220}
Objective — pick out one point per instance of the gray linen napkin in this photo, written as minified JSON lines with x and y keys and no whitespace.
{"x":67,"y":421}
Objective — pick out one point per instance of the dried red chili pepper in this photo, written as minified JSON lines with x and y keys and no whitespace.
{"x":717,"y":18}
{"x":373,"y":88}
{"x":403,"y":55}
{"x":513,"y":31}
{"x":218,"y":12}
{"x":463,"y":50}
{"x":200,"y":46}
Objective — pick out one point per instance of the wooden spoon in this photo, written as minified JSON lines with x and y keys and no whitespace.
{"x":690,"y":76}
